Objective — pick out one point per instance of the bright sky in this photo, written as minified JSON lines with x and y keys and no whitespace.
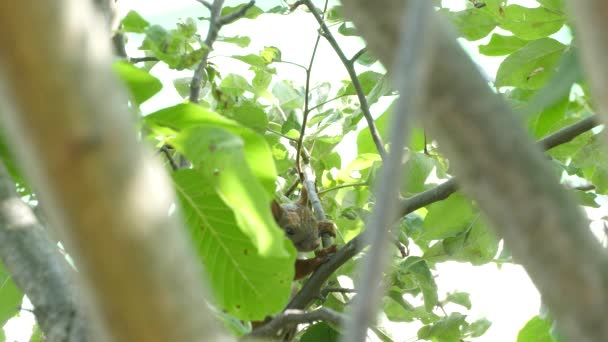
{"x":505,"y":296}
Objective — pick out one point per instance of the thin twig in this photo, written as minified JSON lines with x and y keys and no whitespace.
{"x":342,"y":186}
{"x":143,"y":59}
{"x":165,"y":150}
{"x":328,"y":101}
{"x":353,"y":76}
{"x":306,"y":101}
{"x":356,"y":56}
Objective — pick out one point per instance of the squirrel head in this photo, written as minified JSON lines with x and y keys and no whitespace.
{"x":298,"y":223}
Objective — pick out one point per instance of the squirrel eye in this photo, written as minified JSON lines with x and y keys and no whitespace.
{"x":290,"y":231}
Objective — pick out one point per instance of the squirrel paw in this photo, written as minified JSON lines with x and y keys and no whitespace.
{"x":325,"y":252}
{"x":326,"y":227}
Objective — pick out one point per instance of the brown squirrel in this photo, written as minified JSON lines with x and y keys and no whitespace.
{"x":300,"y":226}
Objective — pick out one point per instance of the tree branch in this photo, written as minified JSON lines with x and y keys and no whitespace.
{"x":232,"y":17}
{"x":589,"y":21}
{"x":78,"y":147}
{"x":412,"y":74}
{"x":216,"y":21}
{"x":512,"y":182}
{"x":294,"y":317}
{"x":353,"y":76}
{"x":38,"y":269}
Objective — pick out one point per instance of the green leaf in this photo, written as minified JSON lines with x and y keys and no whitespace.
{"x":261,"y":81}
{"x":251,"y":115}
{"x":320,"y":332}
{"x":175,"y":47}
{"x":270,"y":54}
{"x":362,"y":162}
{"x":460,"y":298}
{"x":235,"y":85}
{"x":366,"y":59}
{"x":334,"y":14}
{"x":532,"y":23}
{"x":251,"y":13}
{"x":182,"y":86}
{"x":368,"y":81}
{"x":347,"y":30}
{"x":240,"y":41}
{"x":479,"y":327}
{"x":415,"y":172}
{"x":141,"y":84}
{"x":500,"y":45}
{"x":472,"y":23}
{"x":423,"y":279}
{"x":448,"y":218}
{"x":187,"y":115}
{"x":531,"y":66}
{"x":288,"y":97}
{"x":446,"y":329}
{"x":10,"y":297}
{"x":558,"y":87}
{"x":134,"y":22}
{"x":217,"y":152}
{"x":251,"y":59}
{"x":536,"y":330}
{"x":593,"y":161}
{"x":245,"y":283}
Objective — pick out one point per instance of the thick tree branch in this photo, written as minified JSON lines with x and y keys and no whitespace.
{"x":75,"y":139}
{"x":497,"y":165}
{"x":353,"y":76}
{"x":38,"y":268}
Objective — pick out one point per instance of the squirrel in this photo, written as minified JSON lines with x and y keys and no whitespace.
{"x":300,"y":226}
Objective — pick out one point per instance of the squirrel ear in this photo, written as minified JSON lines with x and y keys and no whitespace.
{"x":277,"y":210}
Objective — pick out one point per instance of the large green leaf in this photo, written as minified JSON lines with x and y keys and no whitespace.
{"x":500,"y":45}
{"x":444,"y":330}
{"x":448,"y":218}
{"x":134,"y":22}
{"x":531,"y":23}
{"x":246,"y":283}
{"x":257,"y":152}
{"x":531,"y":66}
{"x":472,"y":23}
{"x":10,"y":296}
{"x":536,"y":330}
{"x":141,"y":84}
{"x":593,"y":160}
{"x":423,"y":279}
{"x":220,"y":157}
{"x":415,"y":172}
